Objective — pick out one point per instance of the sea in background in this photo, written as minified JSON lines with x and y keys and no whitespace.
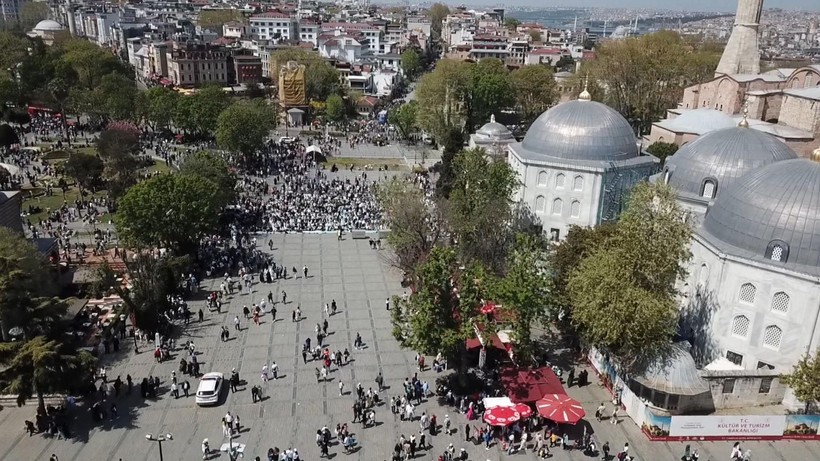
{"x":558,"y":19}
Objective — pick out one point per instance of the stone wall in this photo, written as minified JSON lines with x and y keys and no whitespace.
{"x":801,"y":113}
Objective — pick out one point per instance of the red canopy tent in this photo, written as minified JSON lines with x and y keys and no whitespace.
{"x":526,"y":386}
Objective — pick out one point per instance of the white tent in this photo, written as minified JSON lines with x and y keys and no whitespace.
{"x":313,"y":148}
{"x":492,"y":402}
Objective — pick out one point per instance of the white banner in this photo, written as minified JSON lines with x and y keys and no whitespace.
{"x":727,"y":426}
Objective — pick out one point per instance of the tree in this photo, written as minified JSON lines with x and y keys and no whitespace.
{"x":535,"y":36}
{"x":437,"y":316}
{"x":198,"y":114}
{"x":321,"y":78}
{"x":31,"y":13}
{"x":169,"y":211}
{"x":8,"y":137}
{"x":511,"y":23}
{"x":90,"y":63}
{"x":59,"y":90}
{"x":215,"y":19}
{"x":623,"y":294}
{"x":805,"y":380}
{"x":479,"y":208}
{"x":41,"y":366}
{"x":87,"y":169}
{"x":26,"y":288}
{"x":244,"y":126}
{"x":119,"y":94}
{"x":415,"y":226}
{"x":565,"y":62}
{"x":524,"y":291}
{"x":452,"y":144}
{"x":438,"y":11}
{"x":335,"y":108}
{"x":534,"y":90}
{"x":644,"y":76}
{"x":444,"y":95}
{"x":208,"y":166}
{"x":662,"y":150}
{"x":404,"y":118}
{"x":490,"y":91}
{"x":118,"y":147}
{"x":411,"y":62}
{"x":157,"y":106}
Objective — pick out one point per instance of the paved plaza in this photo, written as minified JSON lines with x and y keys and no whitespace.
{"x":296,"y":405}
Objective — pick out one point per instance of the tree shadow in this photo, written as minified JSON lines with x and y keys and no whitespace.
{"x":695,"y":325}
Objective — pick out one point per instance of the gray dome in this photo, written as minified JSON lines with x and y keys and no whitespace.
{"x":581,"y":130}
{"x":494,"y":131}
{"x":47,"y":25}
{"x":777,"y":205}
{"x":724,"y":156}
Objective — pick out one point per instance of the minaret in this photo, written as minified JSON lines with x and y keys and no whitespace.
{"x":742,"y":55}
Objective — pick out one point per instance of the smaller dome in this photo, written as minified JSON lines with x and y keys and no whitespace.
{"x":699,"y":121}
{"x":494,"y":131}
{"x":722,"y":156}
{"x":48,"y":25}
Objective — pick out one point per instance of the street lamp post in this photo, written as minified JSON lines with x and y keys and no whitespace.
{"x":159,"y":439}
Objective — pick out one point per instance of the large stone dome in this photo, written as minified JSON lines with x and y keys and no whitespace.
{"x":722,"y":156}
{"x":772,"y":213}
{"x":580,"y":130}
{"x":47,"y":25}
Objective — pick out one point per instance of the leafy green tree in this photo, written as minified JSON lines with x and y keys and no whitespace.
{"x":662,"y":150}
{"x":405,"y":119}
{"x":119,"y":147}
{"x":90,"y":63}
{"x":31,"y":13}
{"x":87,"y":169}
{"x":536,"y":36}
{"x":213,"y":168}
{"x":244,"y":126}
{"x":8,"y":137}
{"x":335,"y":108}
{"x":59,"y":91}
{"x":511,"y":23}
{"x":565,"y":62}
{"x":321,"y":78}
{"x":623,"y":294}
{"x":415,"y":227}
{"x":41,"y":366}
{"x":434,"y":319}
{"x":214,"y":19}
{"x":444,"y":95}
{"x":158,"y":105}
{"x":198,"y":114}
{"x":169,"y":211}
{"x":805,"y":380}
{"x":644,"y":76}
{"x":479,"y":207}
{"x":411,"y":62}
{"x":534,"y":90}
{"x":490,"y":91}
{"x":525,"y":292}
{"x":437,"y":12}
{"x":15,"y":50}
{"x":26,"y":288}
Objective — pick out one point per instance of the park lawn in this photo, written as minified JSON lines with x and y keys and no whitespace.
{"x":361,"y":162}
{"x":53,"y":201}
{"x":160,"y":166}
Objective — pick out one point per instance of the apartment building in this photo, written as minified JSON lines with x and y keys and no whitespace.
{"x":489,"y":46}
{"x":274,"y":26}
{"x":194,"y":64}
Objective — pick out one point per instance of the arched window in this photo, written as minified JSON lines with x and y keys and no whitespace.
{"x":578,"y":183}
{"x":542,"y":178}
{"x":778,"y":251}
{"x":557,"y":205}
{"x":559,"y":181}
{"x":748,"y":293}
{"x":780,"y":302}
{"x":772,"y":336}
{"x":540,"y":204}
{"x":740,"y":326}
{"x":709,"y":188}
{"x":575,"y":209}
{"x":703,"y":276}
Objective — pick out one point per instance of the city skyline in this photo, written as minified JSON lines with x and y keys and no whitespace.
{"x":728,"y":6}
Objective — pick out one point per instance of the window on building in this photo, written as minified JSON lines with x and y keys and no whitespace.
{"x":578,"y":183}
{"x":559,"y":181}
{"x":772,"y":336}
{"x":540,"y":204}
{"x":777,"y":253}
{"x":740,"y":326}
{"x":575,"y":209}
{"x":557,"y":206}
{"x":765,"y":385}
{"x":764,"y":365}
{"x":709,"y":187}
{"x":734,"y":357}
{"x":780,"y":302}
{"x":703,"y":276}
{"x":555,"y":234}
{"x":728,"y":386}
{"x":747,"y":293}
{"x":542,"y":178}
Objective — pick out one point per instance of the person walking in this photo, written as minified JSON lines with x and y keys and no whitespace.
{"x":236,"y":323}
{"x":387,"y":304}
{"x":341,"y":388}
{"x":274,"y":369}
{"x":185,"y":388}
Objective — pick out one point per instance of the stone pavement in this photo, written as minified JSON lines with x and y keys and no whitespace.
{"x":296,"y":405}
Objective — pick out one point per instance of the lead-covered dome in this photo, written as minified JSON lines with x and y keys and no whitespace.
{"x":580,"y":130}
{"x":48,"y":25}
{"x":494,"y":131}
{"x":707,"y":165}
{"x":772,"y":213}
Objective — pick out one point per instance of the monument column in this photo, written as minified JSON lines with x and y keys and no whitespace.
{"x":742,"y":54}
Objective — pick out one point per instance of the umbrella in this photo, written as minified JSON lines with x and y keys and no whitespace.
{"x":560,"y":408}
{"x":488,"y":308}
{"x":501,"y":416}
{"x":313,"y":148}
{"x":523,"y":409}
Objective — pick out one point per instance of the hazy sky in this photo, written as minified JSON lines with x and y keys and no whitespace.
{"x":691,"y":5}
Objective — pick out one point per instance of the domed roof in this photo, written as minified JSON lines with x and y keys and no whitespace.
{"x":494,"y":131}
{"x":580,"y":130}
{"x":777,"y":205}
{"x":48,"y":25}
{"x":699,"y":121}
{"x":724,"y":156}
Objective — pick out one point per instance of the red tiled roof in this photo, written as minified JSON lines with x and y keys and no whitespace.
{"x":546,"y":51}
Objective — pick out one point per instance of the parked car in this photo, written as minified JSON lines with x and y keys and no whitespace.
{"x":210,"y":387}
